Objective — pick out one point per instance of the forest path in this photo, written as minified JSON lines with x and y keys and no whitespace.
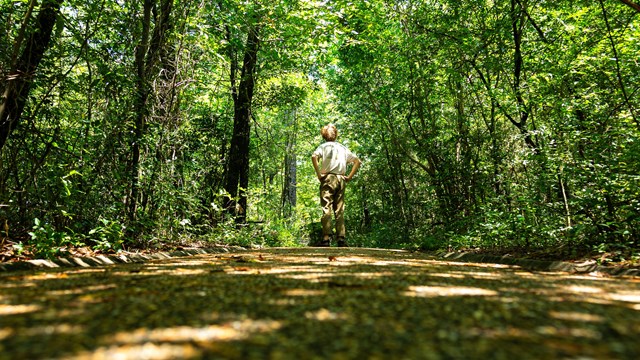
{"x":306,"y":303}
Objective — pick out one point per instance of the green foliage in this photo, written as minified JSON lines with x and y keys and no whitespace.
{"x":47,"y":242}
{"x":276,"y":233}
{"x":463,"y":144}
{"x":109,"y":236}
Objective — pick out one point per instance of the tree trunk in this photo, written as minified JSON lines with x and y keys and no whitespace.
{"x":146,"y":56}
{"x":237,"y":179}
{"x":517,"y":24}
{"x":18,"y":83}
{"x":142,"y":95}
{"x":289,"y":186}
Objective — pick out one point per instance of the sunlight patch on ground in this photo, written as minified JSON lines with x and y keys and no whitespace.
{"x":178,"y":262}
{"x":175,"y":342}
{"x":179,"y":272}
{"x":324,"y":315}
{"x":41,"y":276}
{"x":587,"y":299}
{"x":304,"y":292}
{"x":147,"y":351}
{"x":434,"y":291}
{"x":508,"y":300}
{"x":18,"y":285}
{"x":53,"y":329}
{"x":421,"y":263}
{"x":570,"y":332}
{"x":371,"y":261}
{"x":576,"y":316}
{"x":314,"y":277}
{"x":283,"y":302}
{"x":448,"y":275}
{"x":291,"y":269}
{"x":475,"y":265}
{"x":509,"y":332}
{"x":5,"y":333}
{"x":629,"y":296}
{"x":478,"y":274}
{"x":487,"y":275}
{"x":18,"y":309}
{"x":583,"y":289}
{"x":155,"y":271}
{"x":77,"y":291}
{"x":517,"y":333}
{"x":374,"y":275}
{"x":589,"y":277}
{"x":235,"y":330}
{"x":72,"y":311}
{"x":92,"y":270}
{"x":388,"y":263}
{"x":526,"y":274}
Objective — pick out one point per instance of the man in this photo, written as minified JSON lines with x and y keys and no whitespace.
{"x":330,"y":162}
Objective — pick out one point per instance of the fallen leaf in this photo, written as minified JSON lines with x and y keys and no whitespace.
{"x":333,"y":258}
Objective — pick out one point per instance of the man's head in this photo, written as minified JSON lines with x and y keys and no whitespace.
{"x":329,"y":132}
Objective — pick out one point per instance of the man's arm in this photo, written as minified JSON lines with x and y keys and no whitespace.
{"x":354,"y":169}
{"x":314,"y":160}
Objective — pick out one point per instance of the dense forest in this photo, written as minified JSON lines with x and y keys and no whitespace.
{"x":481,"y":124}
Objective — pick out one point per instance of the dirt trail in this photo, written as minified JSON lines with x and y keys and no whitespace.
{"x":316,"y":303}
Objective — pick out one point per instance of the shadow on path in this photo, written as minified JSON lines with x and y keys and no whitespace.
{"x":316,"y":303}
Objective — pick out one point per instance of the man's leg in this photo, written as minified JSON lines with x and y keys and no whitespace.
{"x":327,"y":190}
{"x":338,"y":208}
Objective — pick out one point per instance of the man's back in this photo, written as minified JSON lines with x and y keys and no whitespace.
{"x":335,"y":157}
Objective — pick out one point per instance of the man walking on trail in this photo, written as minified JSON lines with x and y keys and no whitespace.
{"x":330,"y":162}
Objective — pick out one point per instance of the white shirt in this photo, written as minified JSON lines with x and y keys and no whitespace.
{"x":333,"y":158}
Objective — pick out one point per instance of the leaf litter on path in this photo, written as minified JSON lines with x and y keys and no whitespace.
{"x":316,"y":303}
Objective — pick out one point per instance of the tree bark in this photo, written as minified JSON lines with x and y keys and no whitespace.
{"x":517,"y":19}
{"x":631,"y":4}
{"x":142,"y":95}
{"x":289,"y":186}
{"x":18,"y":83}
{"x":237,"y":179}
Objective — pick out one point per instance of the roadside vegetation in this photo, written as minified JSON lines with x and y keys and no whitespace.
{"x":497,"y":126}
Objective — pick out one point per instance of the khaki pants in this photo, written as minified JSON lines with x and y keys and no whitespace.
{"x":332,"y":202}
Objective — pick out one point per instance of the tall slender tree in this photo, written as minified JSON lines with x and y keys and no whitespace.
{"x":289,"y":186}
{"x":237,"y":172}
{"x":147,"y":54}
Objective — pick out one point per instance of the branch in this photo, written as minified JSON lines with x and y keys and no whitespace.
{"x":618,"y":70}
{"x":631,"y":4}
{"x":18,"y":41}
{"x":538,"y":29}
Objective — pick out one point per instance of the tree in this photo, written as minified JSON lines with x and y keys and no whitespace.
{"x":289,"y":184}
{"x":237,"y":172}
{"x":17,"y":83}
{"x":147,"y":54}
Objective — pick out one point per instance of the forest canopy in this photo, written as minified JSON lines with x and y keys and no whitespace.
{"x":489,"y":124}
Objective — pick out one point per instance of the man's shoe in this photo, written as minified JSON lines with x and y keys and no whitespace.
{"x":324,"y":243}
